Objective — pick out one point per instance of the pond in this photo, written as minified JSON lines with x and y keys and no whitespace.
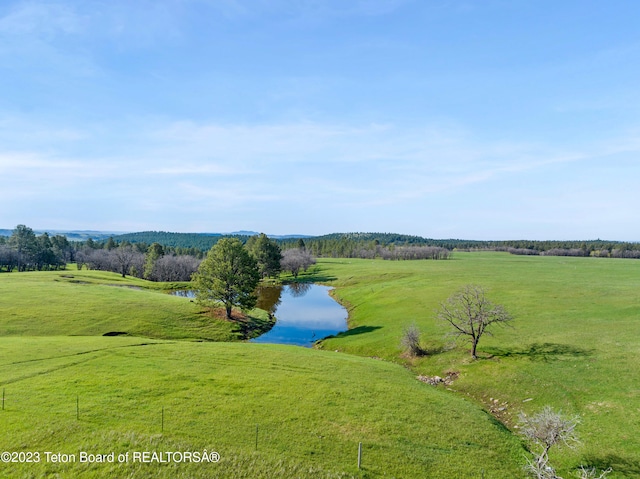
{"x":304,"y":313}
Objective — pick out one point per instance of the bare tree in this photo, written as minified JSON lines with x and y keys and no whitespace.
{"x":125,"y":256}
{"x":293,"y":260}
{"x":471,"y":314}
{"x":9,"y":258}
{"x":174,"y":268}
{"x":546,"y":429}
{"x":592,"y":473}
{"x":410,"y":341}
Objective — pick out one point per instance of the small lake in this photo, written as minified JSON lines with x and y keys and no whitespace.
{"x":304,"y":312}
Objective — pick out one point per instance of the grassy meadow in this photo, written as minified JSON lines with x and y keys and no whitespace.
{"x":574,"y":345}
{"x":94,"y":303}
{"x":312,"y":408}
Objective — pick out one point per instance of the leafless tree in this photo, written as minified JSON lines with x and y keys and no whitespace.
{"x":411,"y":341}
{"x":293,"y":260}
{"x":592,"y":473}
{"x":8,"y":258}
{"x":174,"y":268}
{"x":471,"y":314}
{"x":125,"y":257}
{"x":98,"y":259}
{"x":546,"y":429}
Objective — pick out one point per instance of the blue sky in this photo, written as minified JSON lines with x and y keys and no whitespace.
{"x":477,"y":119}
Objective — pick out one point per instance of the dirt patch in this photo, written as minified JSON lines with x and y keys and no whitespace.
{"x":221,"y":313}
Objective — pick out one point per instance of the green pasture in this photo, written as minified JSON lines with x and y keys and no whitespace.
{"x":93,"y":303}
{"x":311,"y":409}
{"x":574,"y":344}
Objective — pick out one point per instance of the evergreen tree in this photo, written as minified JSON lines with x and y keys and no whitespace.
{"x":23,"y":240}
{"x":228,"y":275}
{"x":110,"y":244}
{"x":266,"y":253}
{"x":154,"y":253}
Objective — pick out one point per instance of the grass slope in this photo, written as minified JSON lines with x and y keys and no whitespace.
{"x":575,"y":344}
{"x":312,"y":409}
{"x":93,"y":303}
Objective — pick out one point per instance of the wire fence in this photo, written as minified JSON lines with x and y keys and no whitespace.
{"x":181,"y":419}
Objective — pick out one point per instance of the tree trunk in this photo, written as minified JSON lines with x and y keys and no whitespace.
{"x":228,"y":308}
{"x":473,"y":349}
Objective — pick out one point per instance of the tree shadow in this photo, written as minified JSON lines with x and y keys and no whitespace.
{"x":313,"y":275}
{"x":497,"y":423}
{"x":624,"y":465}
{"x":541,"y":352}
{"x":354,"y":331}
{"x":313,"y":278}
{"x":249,"y":327}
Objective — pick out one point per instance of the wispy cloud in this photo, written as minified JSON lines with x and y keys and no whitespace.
{"x":201,"y":168}
{"x":305,"y":8}
{"x":41,"y":19}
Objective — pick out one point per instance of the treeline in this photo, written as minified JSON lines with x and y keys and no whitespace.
{"x":368,"y":246}
{"x":174,"y":256}
{"x":355,"y":245}
{"x":624,"y":251}
{"x":153,"y":263}
{"x":24,"y":251}
{"x":388,"y":246}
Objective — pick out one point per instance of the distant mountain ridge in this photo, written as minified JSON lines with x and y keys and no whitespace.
{"x":83,"y":235}
{"x":345,"y":244}
{"x":72,"y":235}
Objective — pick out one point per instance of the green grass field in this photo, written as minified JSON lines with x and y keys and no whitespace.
{"x":312,"y":408}
{"x":93,"y":303}
{"x":574,"y":345}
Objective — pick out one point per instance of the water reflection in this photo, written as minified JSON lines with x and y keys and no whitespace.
{"x":304,"y":315}
{"x":298,"y":290}
{"x":268,"y":297}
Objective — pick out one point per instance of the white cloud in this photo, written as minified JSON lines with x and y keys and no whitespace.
{"x":41,"y":19}
{"x":178,"y":171}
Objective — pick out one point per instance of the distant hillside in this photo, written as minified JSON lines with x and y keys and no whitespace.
{"x":345,"y":240}
{"x":81,"y":235}
{"x":255,"y":233}
{"x":352,"y":244}
{"x":201,"y":241}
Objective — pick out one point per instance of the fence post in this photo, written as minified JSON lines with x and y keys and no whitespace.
{"x":359,"y":454}
{"x":162,"y":419}
{"x":77,"y":408}
{"x":3,"y":399}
